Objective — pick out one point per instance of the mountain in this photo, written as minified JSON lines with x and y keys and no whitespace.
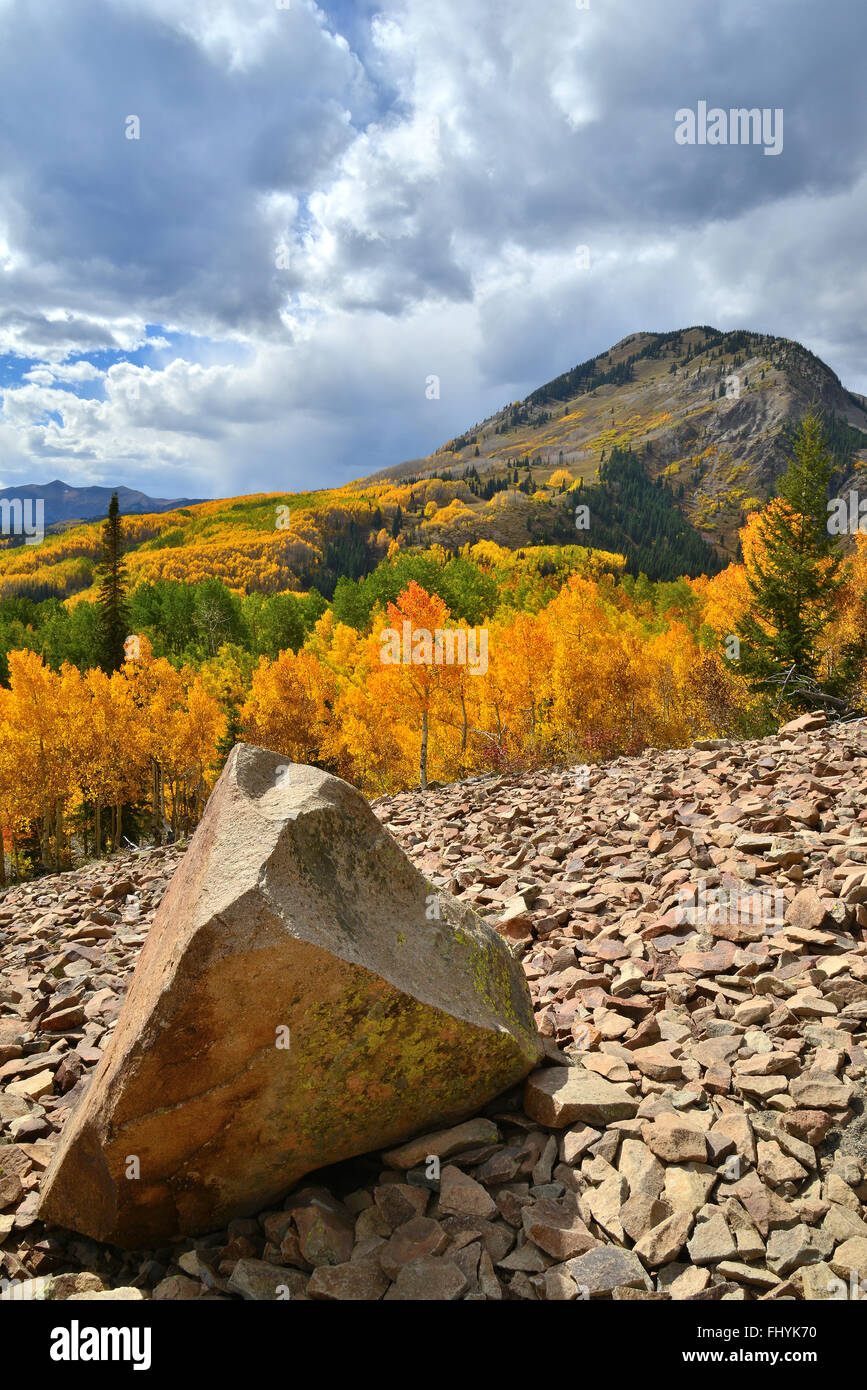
{"x":711,"y":413}
{"x":65,"y":503}
{"x":662,"y":445}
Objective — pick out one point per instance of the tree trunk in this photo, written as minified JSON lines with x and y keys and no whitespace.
{"x":499,"y":725}
{"x":422,"y":766}
{"x":98,"y":830}
{"x":156,"y":823}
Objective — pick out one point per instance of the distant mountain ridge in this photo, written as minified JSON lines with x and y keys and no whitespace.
{"x":651,"y":455}
{"x":65,"y":503}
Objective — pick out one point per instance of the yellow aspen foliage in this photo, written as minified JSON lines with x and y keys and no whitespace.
{"x":227,"y":675}
{"x":286,"y":707}
{"x":184,"y":724}
{"x":513,"y":696}
{"x":39,"y":728}
{"x":415,"y":673}
{"x":110,"y":745}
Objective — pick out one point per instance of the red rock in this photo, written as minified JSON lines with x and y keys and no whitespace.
{"x":292,"y":910}
{"x":420,"y":1236}
{"x":560,"y":1096}
{"x":805,"y":723}
{"x":807,"y":910}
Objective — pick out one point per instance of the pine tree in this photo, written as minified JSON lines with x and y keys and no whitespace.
{"x":112,"y":576}
{"x":793,"y":575}
{"x":231,"y":736}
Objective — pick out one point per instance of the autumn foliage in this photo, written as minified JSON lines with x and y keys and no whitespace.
{"x":77,"y":751}
{"x":577,"y":681}
{"x":582,"y":662}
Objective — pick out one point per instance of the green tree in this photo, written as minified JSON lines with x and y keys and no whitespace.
{"x":112,"y":575}
{"x":794,"y":575}
{"x":166,"y":611}
{"x":219,"y":617}
{"x":469,"y":593}
{"x":231,"y":736}
{"x":276,"y":622}
{"x":70,"y":634}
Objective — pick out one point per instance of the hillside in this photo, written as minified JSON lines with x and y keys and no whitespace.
{"x":667,"y":467}
{"x":663,"y":396}
{"x":692,"y":925}
{"x":276,"y":542}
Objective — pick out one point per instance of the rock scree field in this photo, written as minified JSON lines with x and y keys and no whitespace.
{"x":687,"y":1124}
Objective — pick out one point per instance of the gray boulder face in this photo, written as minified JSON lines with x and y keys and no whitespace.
{"x":304,"y":995}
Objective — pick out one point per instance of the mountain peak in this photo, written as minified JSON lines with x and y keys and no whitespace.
{"x":708,"y":411}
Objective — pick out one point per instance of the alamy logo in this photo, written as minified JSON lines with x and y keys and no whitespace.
{"x":729,"y":905}
{"x":18,"y":1289}
{"x":738,"y":126}
{"x":857,"y":1289}
{"x":77,"y":1343}
{"x":25,"y":519}
{"x":845,"y":517}
{"x":446,"y":646}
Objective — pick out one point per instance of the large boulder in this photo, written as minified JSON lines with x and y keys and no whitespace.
{"x":303,"y":995}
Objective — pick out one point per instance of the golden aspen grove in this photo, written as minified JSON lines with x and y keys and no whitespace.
{"x":583,"y":662}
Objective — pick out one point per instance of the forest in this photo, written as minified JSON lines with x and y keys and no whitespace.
{"x":118,"y":710}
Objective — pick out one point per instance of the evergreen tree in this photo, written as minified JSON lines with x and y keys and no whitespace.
{"x":231,"y":736}
{"x":794,"y":576}
{"x":112,"y":576}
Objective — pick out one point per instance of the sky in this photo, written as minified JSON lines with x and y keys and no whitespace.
{"x":239,"y":238}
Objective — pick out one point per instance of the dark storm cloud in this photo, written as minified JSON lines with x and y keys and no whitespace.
{"x":173,"y":219}
{"x":425,"y":171}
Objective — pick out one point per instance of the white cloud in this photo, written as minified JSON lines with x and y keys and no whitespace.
{"x":48,"y":374}
{"x":425,"y":193}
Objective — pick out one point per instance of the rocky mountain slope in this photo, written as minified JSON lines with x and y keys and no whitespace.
{"x":669,"y":440}
{"x":708,"y":411}
{"x":693,"y":928}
